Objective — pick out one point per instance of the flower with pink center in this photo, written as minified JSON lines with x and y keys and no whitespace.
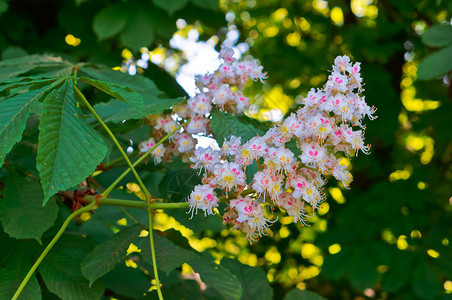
{"x":337,"y":82}
{"x":202,"y":197}
{"x":185,"y":142}
{"x":200,"y":104}
{"x":312,"y":153}
{"x":294,"y":207}
{"x":232,"y":146}
{"x":228,"y":176}
{"x":205,"y":158}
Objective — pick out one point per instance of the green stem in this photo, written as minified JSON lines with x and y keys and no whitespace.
{"x":135,"y":204}
{"x":154,"y":261}
{"x":87,"y":208}
{"x":112,"y":136}
{"x":114,"y":184}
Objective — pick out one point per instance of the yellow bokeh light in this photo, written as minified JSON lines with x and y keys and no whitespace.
{"x":382,"y":269}
{"x":280,"y":14}
{"x":309,"y":272}
{"x":294,"y":83}
{"x":132,"y":249}
{"x":421,"y":185}
{"x":293,"y":39}
{"x":122,"y":222}
{"x":186,"y":269}
{"x":388,"y":236}
{"x":271,"y":31}
{"x":416,"y":234}
{"x":433,"y":253}
{"x":371,"y":12}
{"x":272,"y":255}
{"x":402,"y":244}
{"x":324,"y":208}
{"x":284,"y":232}
{"x":131,"y":264}
{"x":445,"y":242}
{"x":400,"y":174}
{"x":287,"y":23}
{"x":337,"y":16}
{"x":337,"y":195}
{"x":72,"y":40}
{"x":335,"y":248}
{"x":309,"y":250}
{"x":448,"y":286}
{"x":85,"y":216}
{"x":144,"y":233}
{"x":126,"y":54}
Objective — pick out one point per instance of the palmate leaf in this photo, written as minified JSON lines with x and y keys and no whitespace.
{"x":217,"y":277}
{"x":69,"y":149}
{"x":140,"y":84}
{"x":106,"y":255}
{"x":61,"y":273}
{"x":224,"y":125}
{"x":14,"y":112}
{"x":17,"y":66}
{"x":168,"y":255}
{"x":114,"y":111}
{"x":123,"y":93}
{"x":254,"y":282}
{"x":12,"y":275}
{"x":21,"y":212}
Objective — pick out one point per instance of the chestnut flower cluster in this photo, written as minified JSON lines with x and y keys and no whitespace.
{"x":328,"y":126}
{"x":223,"y":88}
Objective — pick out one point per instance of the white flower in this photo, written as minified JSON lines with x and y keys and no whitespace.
{"x":203,"y":197}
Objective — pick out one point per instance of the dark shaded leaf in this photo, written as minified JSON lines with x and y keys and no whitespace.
{"x":254,"y":281}
{"x":21,"y":212}
{"x":105,"y":256}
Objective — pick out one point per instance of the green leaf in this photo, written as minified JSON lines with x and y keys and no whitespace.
{"x":105,"y":256}
{"x":139,"y":32}
{"x":363,"y":272}
{"x":138,"y":83}
{"x":61,"y":273}
{"x":21,"y":211}
{"x":168,"y":255}
{"x":69,"y":149}
{"x":12,"y":275}
{"x":254,"y":282}
{"x":436,"y":64}
{"x":14,"y":112}
{"x":123,"y":93}
{"x":425,"y":283}
{"x":336,"y":265}
{"x":13,"y":67}
{"x":114,"y":111}
{"x":224,"y":125}
{"x":297,"y":294}
{"x":110,"y":21}
{"x":217,"y":277}
{"x":207,"y":4}
{"x":127,"y":281}
{"x":438,"y":35}
{"x":397,"y":276}
{"x":170,"y":6}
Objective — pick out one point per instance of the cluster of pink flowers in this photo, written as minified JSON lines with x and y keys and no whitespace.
{"x":223,"y":88}
{"x":323,"y":129}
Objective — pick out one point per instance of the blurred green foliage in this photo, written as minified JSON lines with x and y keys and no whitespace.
{"x":388,"y":237}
